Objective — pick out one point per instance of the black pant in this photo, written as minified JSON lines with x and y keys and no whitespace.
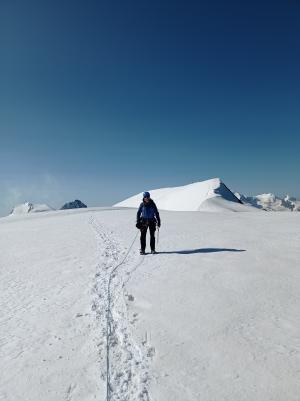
{"x":152,"y":228}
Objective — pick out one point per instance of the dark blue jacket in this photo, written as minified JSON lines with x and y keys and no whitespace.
{"x":148,"y":211}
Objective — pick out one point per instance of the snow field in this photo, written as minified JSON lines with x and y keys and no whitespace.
{"x":214,"y":316}
{"x":222,"y":306}
{"x":48,"y":331}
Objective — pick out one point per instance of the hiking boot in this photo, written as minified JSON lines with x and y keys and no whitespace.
{"x":142,"y":252}
{"x":153,"y":252}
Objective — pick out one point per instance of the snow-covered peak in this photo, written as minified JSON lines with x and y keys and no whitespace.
{"x":209,"y":195}
{"x":29,"y":207}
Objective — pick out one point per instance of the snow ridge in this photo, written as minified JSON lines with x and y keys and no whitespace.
{"x":209,"y":195}
{"x":126,"y":369}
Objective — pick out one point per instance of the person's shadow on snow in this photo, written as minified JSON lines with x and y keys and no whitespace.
{"x":203,"y":250}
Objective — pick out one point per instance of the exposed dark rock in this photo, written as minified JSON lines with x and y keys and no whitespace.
{"x":77,"y":204}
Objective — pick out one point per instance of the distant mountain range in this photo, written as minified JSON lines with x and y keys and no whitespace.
{"x":210,"y":195}
{"x":271,"y":202}
{"x":28,"y":207}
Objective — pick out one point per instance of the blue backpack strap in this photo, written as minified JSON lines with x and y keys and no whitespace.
{"x":139,"y":212}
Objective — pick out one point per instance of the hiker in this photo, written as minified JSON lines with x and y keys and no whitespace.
{"x":147,"y":216}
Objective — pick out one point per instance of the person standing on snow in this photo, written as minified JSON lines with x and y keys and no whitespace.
{"x":147,"y":216}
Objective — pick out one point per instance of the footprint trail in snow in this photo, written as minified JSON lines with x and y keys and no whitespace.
{"x":125,"y":365}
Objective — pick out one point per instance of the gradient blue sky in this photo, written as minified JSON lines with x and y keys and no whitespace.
{"x":102,"y":99}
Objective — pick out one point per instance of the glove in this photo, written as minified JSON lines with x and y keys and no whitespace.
{"x":138,"y":224}
{"x":158,"y":224}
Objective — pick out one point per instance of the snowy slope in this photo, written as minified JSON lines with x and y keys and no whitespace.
{"x":28,"y":207}
{"x":213,"y":316}
{"x":210,"y":195}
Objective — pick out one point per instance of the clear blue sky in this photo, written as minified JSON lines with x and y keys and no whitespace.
{"x":102,"y":99}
